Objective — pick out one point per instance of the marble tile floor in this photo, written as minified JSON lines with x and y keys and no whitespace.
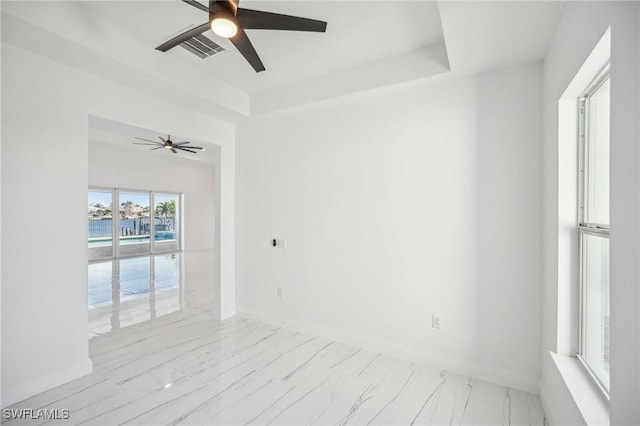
{"x":188,"y":368}
{"x":135,"y":290}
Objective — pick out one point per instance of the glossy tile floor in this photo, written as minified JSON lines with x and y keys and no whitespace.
{"x":135,"y":290}
{"x":177,"y":364}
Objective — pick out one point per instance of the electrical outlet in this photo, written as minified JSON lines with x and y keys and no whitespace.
{"x":280,"y":292}
{"x":436,"y":321}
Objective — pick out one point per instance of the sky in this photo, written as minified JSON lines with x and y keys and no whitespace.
{"x":104,"y":198}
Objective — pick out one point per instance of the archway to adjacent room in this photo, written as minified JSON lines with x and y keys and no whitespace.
{"x":152,"y":225}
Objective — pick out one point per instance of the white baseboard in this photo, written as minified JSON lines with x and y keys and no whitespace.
{"x":16,"y":392}
{"x":409,"y":353}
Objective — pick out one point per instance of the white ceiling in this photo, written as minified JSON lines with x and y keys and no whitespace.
{"x":124,"y":136}
{"x":488,"y":35}
{"x":368,"y":44}
{"x":358,"y":32}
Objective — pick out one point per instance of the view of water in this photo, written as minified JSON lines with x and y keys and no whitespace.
{"x":102,"y":228}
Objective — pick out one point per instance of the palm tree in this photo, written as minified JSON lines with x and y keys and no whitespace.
{"x":166,"y":208}
{"x":126,"y":209}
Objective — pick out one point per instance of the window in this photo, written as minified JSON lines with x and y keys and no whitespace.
{"x":593,"y":229}
{"x":165,"y":222}
{"x":100,"y":225}
{"x":129,"y":223}
{"x":134,"y":227}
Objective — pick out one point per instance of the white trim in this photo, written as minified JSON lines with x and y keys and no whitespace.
{"x":593,"y":375}
{"x":152,"y":222}
{"x":588,"y":397}
{"x":597,"y":67}
{"x":20,"y":391}
{"x":568,"y":167}
{"x":115,"y":220}
{"x":405,"y":352}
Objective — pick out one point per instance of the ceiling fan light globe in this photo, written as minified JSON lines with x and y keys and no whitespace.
{"x":224,"y":26}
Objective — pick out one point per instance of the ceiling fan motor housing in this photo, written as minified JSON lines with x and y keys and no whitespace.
{"x":223,"y":6}
{"x":169,"y":144}
{"x":228,"y":21}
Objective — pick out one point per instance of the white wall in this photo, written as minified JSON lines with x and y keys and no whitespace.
{"x":581,"y":27}
{"x":44,"y":293}
{"x":114,"y":166}
{"x":45,"y":115}
{"x":396,"y":204}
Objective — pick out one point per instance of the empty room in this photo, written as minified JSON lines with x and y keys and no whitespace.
{"x":335,"y":212}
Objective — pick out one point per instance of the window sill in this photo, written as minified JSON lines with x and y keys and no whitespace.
{"x":592,"y":404}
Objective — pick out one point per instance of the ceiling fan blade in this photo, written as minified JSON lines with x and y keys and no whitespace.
{"x":162,"y":139}
{"x":146,"y":140}
{"x":183,"y":37}
{"x":160,"y":147}
{"x":194,"y":3}
{"x":174,"y":151}
{"x":183,"y":145}
{"x":185,"y":149}
{"x":148,"y":144}
{"x":259,"y":20}
{"x":244,"y":46}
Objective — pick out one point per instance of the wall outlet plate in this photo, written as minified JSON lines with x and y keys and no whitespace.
{"x":280,"y":292}
{"x":436,"y":321}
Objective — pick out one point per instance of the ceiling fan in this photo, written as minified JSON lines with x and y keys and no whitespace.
{"x":227,"y":20}
{"x":169,"y":144}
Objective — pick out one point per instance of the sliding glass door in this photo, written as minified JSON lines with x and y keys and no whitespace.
{"x":134,"y":227}
{"x":166,"y":222}
{"x":143,"y":222}
{"x":100,"y":224}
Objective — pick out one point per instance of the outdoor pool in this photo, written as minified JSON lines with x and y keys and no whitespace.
{"x":137,"y":239}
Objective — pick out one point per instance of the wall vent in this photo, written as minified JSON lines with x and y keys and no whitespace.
{"x":202,"y":46}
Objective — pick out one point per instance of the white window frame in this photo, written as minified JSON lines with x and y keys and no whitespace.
{"x":177,"y":221}
{"x":115,"y":222}
{"x":583,"y":227}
